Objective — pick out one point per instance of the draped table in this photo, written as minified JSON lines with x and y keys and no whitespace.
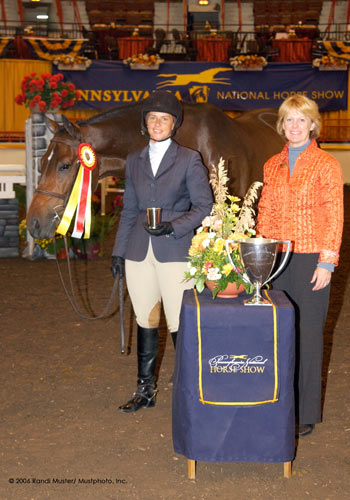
{"x":233,"y":396}
{"x":293,"y":49}
{"x":212,"y":49}
{"x":133,"y":45}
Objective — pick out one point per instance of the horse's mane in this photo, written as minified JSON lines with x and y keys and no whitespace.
{"x":110,"y":114}
{"x":116,"y":111}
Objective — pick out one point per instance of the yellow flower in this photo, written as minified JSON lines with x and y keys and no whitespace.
{"x":233,"y":198}
{"x":219,"y":245}
{"x":196,"y":244}
{"x":237,"y":236}
{"x":226,"y":269}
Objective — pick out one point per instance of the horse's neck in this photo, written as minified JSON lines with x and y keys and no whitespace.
{"x":115,"y":138}
{"x":112,"y":143}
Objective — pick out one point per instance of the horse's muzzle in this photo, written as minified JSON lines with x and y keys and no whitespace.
{"x":41,"y":231}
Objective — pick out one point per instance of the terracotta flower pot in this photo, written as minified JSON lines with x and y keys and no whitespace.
{"x":231,"y":291}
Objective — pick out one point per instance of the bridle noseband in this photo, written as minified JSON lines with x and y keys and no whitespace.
{"x":53,"y":194}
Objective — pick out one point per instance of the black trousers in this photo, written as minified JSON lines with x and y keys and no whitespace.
{"x":310,"y":316}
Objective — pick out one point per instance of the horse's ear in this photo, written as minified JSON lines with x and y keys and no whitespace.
{"x":51,"y":124}
{"x":73,"y":130}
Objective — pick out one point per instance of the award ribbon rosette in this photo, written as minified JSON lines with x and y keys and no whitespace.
{"x":80,"y":197}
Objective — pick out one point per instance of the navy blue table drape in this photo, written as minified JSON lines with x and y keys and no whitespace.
{"x":233,"y":397}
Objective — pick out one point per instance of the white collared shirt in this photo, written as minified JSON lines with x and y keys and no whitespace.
{"x":156,"y":152}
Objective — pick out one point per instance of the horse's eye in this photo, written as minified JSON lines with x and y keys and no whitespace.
{"x":63,"y":166}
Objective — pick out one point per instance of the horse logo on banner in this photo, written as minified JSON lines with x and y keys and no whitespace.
{"x":198,"y":93}
{"x":206,"y":76}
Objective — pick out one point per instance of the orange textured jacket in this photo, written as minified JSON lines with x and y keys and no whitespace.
{"x":306,"y":208}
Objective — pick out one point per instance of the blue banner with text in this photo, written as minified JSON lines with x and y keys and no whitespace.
{"x":106,"y":84}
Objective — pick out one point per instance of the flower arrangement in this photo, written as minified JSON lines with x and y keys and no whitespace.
{"x":71,"y":61}
{"x":208,"y":259}
{"x":146,"y":59}
{"x":248,"y":61}
{"x":328,"y":61}
{"x":46,"y":92}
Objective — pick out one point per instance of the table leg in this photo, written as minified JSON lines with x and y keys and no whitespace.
{"x":191,"y":469}
{"x":287,"y":469}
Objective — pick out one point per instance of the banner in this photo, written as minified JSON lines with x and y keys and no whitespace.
{"x":106,"y":84}
{"x":50,"y":49}
{"x":335,"y":49}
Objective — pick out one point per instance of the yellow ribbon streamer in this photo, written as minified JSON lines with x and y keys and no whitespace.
{"x":68,"y":214}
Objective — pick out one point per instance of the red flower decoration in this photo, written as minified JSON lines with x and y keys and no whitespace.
{"x":19,"y":99}
{"x":47,"y":91}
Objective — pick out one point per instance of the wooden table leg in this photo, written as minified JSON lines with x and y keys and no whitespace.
{"x":191,"y":469}
{"x":287,"y":469}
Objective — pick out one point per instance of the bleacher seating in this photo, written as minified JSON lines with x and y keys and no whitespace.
{"x":286,"y":12}
{"x":128,"y":14}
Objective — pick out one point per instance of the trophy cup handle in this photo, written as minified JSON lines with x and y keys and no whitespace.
{"x":282,"y":263}
{"x":243,"y":276}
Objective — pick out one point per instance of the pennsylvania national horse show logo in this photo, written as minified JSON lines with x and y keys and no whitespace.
{"x":199,"y":93}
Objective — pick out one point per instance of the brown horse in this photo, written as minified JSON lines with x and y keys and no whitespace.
{"x":245,"y":143}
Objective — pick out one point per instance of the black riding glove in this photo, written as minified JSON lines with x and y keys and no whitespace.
{"x":162,"y":229}
{"x":118,"y":266}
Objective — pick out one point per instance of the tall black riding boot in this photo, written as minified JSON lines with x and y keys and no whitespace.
{"x":147,"y":350}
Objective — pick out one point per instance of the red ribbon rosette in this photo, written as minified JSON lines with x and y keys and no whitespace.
{"x":87,"y":156}
{"x":80,"y":197}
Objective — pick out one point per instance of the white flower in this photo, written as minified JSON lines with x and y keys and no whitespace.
{"x":213,"y":274}
{"x":206,"y":243}
{"x":211,"y":235}
{"x":193,"y":271}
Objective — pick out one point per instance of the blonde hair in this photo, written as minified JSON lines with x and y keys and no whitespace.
{"x":305,"y":106}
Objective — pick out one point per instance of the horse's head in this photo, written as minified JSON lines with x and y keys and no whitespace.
{"x":59,"y":167}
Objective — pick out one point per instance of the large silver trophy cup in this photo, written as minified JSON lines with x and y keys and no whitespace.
{"x":258,"y":257}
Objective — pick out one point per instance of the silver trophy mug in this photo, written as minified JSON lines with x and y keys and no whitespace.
{"x":258,"y":258}
{"x":153,"y":217}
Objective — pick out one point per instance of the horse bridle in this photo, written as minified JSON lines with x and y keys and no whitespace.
{"x":53,"y":194}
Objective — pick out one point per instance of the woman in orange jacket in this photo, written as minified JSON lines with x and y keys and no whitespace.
{"x":302,"y":201}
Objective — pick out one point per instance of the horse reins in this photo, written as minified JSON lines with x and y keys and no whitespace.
{"x":73,"y":301}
